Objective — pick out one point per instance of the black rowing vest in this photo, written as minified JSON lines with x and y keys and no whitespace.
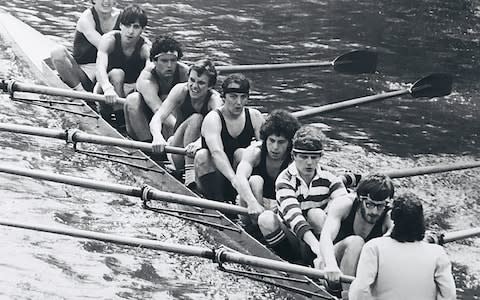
{"x":186,"y":109}
{"x":346,"y":227}
{"x":133,"y":65}
{"x":83,"y":51}
{"x":230,"y":144}
{"x":261,"y":170}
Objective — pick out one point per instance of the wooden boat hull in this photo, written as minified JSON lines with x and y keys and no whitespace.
{"x":34,"y":49}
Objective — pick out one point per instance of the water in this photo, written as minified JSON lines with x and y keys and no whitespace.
{"x":413,"y":39}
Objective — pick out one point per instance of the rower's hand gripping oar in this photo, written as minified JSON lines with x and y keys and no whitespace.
{"x":354,"y":62}
{"x":12,"y":86}
{"x":434,"y":85}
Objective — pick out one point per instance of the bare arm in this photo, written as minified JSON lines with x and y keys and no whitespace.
{"x":250,"y":159}
{"x":257,"y":121}
{"x":148,"y":87}
{"x":211,"y":131}
{"x":174,"y":98}
{"x":105,"y":47}
{"x":86,"y":25}
{"x":338,"y":210}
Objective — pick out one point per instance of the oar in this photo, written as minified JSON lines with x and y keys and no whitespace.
{"x":221,"y":255}
{"x":354,"y":62}
{"x":408,"y":172}
{"x":11,"y":86}
{"x":78,"y":136}
{"x":447,"y":237}
{"x":152,"y":194}
{"x":434,"y":85}
{"x":460,"y":234}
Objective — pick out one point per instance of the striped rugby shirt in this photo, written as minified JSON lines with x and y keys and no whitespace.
{"x":295,"y":198}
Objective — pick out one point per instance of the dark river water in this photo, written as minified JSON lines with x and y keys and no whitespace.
{"x":412,"y":38}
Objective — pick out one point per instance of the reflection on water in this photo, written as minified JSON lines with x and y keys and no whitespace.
{"x":413,"y":39}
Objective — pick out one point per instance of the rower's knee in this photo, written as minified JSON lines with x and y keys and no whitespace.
{"x":354,"y":245}
{"x":268,"y":222}
{"x":133,"y":104}
{"x":59,"y":53}
{"x":116,"y":76}
{"x":195,"y":120}
{"x":203,"y":163}
{"x":256,"y":183}
{"x":316,"y":217}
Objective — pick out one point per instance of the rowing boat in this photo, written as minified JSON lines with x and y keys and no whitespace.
{"x":34,"y":49}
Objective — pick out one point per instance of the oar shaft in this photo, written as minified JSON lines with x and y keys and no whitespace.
{"x":33,"y":88}
{"x":348,"y":103}
{"x":224,"y":256}
{"x":80,"y":136}
{"x":104,"y":237}
{"x":432,"y":169}
{"x":271,"y":67}
{"x":126,"y":190}
{"x":461,"y":234}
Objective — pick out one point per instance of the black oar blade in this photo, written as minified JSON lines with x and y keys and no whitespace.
{"x":434,"y":85}
{"x":356,"y":62}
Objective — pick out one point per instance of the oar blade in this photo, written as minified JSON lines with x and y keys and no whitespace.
{"x":356,"y":62}
{"x":434,"y":85}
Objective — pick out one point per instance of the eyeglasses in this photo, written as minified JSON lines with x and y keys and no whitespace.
{"x":370,"y":204}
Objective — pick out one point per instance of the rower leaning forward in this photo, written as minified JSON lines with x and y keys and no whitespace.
{"x":156,"y":80}
{"x":120,"y":59}
{"x":78,"y":70}
{"x":188,"y":103}
{"x":226,"y":131}
{"x":261,"y":163}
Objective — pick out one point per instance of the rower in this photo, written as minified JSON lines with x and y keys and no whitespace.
{"x":78,"y":70}
{"x":260,"y":165}
{"x":303,"y":191}
{"x":402,"y":265}
{"x":189,"y":102}
{"x":351,"y":221}
{"x":226,"y":131}
{"x":120,"y":59}
{"x":153,"y":86}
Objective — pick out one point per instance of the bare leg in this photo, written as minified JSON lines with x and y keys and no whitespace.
{"x":137,"y":118}
{"x":68,"y":69}
{"x":316,"y":217}
{"x":186,"y":133}
{"x":347,"y":253}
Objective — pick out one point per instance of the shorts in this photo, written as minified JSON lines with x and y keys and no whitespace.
{"x":297,"y":251}
{"x":90,"y":70}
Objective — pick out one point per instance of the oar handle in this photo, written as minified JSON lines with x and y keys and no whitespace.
{"x":12,"y":86}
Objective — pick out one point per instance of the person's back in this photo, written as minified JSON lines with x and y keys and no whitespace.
{"x":406,"y":270}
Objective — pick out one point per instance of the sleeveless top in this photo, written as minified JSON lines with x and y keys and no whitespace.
{"x":261,"y":170}
{"x":132,"y":66}
{"x":230,"y":144}
{"x":346,"y":227}
{"x":83,"y":51}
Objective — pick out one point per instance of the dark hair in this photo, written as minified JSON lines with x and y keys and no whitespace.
{"x":237,"y":78}
{"x":408,"y":219}
{"x":378,"y":187}
{"x":132,"y":14}
{"x":205,"y":66}
{"x":164,"y":44}
{"x":282,"y":123}
{"x":308,"y":137}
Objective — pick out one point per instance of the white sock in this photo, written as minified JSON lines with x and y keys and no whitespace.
{"x":79,"y":87}
{"x":189,"y":174}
